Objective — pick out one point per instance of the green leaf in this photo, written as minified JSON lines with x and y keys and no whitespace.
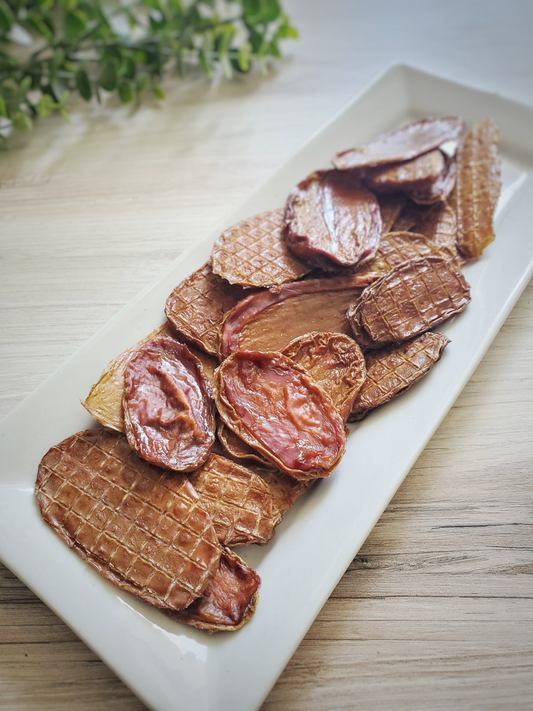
{"x":46,"y":105}
{"x":40,"y":26}
{"x":108,"y":76}
{"x":83,"y":84}
{"x":243,"y":58}
{"x":3,"y":110}
{"x":260,"y":12}
{"x":158,"y":91}
{"x":127,"y":68}
{"x":59,"y":57}
{"x":21,"y":120}
{"x":205,"y":63}
{"x":25,"y":85}
{"x":74,"y":25}
{"x":6,"y":18}
{"x":125,"y":91}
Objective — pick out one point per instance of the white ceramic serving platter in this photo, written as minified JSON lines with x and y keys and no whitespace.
{"x":170,"y":666}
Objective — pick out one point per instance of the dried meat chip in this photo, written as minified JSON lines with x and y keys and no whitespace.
{"x":168,"y":410}
{"x":478,"y":187}
{"x":333,"y":219}
{"x":240,"y":504}
{"x":335,"y":361}
{"x":253,"y":253}
{"x":416,"y":174}
{"x":236,"y":447}
{"x":140,"y":526}
{"x":279,"y":410}
{"x":402,"y":144}
{"x":197,"y":306}
{"x":410,"y":299}
{"x":391,"y":207}
{"x":440,"y":189}
{"x":394,"y":369}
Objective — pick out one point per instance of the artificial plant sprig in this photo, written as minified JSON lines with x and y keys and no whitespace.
{"x":124,"y":47}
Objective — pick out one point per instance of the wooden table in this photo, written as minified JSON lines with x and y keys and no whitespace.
{"x":436,"y":611}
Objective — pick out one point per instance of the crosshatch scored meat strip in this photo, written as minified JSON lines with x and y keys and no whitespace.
{"x":163,"y":535}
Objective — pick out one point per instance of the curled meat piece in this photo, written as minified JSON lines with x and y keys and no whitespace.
{"x":335,"y":361}
{"x":410,"y":299}
{"x":141,"y":527}
{"x":403,"y":144}
{"x":333,"y":219}
{"x":478,"y":188}
{"x":104,"y":402}
{"x":168,"y":411}
{"x":268,"y":321}
{"x":391,"y":207}
{"x":439,"y":189}
{"x":240,"y":504}
{"x":229,"y":601}
{"x":398,"y":247}
{"x":254,"y":253}
{"x":394,"y":369}
{"x":197,"y":306}
{"x":417,"y":174}
{"x":237,"y":447}
{"x":279,"y":410}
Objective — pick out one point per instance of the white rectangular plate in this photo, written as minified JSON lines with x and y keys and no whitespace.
{"x":174,"y":667}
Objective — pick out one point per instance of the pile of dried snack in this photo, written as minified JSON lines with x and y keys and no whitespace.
{"x":303,"y":319}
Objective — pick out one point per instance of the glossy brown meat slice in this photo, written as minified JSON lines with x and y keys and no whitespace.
{"x":410,"y":299}
{"x":279,"y":410}
{"x":197,"y":306}
{"x":268,"y":321}
{"x":416,"y":174}
{"x":398,"y":247}
{"x":393,"y":369}
{"x":140,"y":526}
{"x":478,"y":187}
{"x":240,"y":504}
{"x":104,"y":402}
{"x":254,"y":253}
{"x":391,"y":207}
{"x":168,"y":410}
{"x":335,"y":361}
{"x":237,"y":447}
{"x":439,"y":225}
{"x":229,"y":601}
{"x":404,"y":143}
{"x":333,"y":219}
{"x":440,"y":189}
{"x":285,"y":489}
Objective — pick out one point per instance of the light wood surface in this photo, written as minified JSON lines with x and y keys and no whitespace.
{"x":436,"y":611}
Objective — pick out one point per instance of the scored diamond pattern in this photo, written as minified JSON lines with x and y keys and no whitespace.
{"x":253,"y":253}
{"x":139,"y":526}
{"x":393,"y":369}
{"x":240,"y":504}
{"x":197,"y":306}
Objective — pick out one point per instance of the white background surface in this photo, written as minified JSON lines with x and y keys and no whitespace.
{"x":93,"y":211}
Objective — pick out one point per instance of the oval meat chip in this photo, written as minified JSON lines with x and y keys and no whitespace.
{"x":333,"y":219}
{"x":140,"y":526}
{"x":268,"y":321}
{"x":404,"y":143}
{"x":478,"y":188}
{"x":416,"y":174}
{"x":410,"y":299}
{"x":254,"y":253}
{"x":168,"y":411}
{"x":240,"y":504}
{"x":197,"y":306}
{"x":278,"y":409}
{"x":335,"y":361}
{"x":393,"y":369}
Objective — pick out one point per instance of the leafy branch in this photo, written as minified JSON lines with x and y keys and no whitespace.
{"x":124,"y":47}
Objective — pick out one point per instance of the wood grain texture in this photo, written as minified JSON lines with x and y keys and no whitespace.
{"x":436,"y":611}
